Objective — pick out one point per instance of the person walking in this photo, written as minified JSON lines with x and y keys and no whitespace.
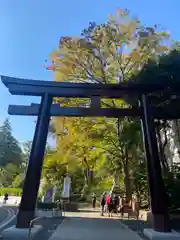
{"x":93,"y":200}
{"x":116,"y":203}
{"x":103,"y":203}
{"x":122,"y":207}
{"x":120,"y":203}
{"x":6,"y":197}
{"x":109,"y":204}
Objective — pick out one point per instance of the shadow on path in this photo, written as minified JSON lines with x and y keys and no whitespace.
{"x":49,"y":226}
{"x":138,"y":225}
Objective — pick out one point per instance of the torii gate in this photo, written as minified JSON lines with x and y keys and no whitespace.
{"x":47,"y":90}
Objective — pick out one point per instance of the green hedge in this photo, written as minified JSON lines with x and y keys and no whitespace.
{"x":75,"y":197}
{"x":11,"y":191}
{"x":47,"y":206}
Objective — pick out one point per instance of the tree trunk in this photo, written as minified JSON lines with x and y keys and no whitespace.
{"x":127,"y":183}
{"x":85,"y":187}
{"x":116,"y":187}
{"x":116,"y":179}
{"x":162,"y":145}
{"x":127,"y":180}
{"x":86,"y":171}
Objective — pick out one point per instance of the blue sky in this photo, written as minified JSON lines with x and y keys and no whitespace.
{"x":30,"y":30}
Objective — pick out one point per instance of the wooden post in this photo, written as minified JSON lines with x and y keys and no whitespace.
{"x":33,"y":175}
{"x":158,"y":198}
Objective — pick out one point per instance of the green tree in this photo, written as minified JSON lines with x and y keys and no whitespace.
{"x":8,"y":174}
{"x":107,"y":53}
{"x":26,"y":149}
{"x":10,"y":151}
{"x":18,"y":181}
{"x":139,"y":177}
{"x":165,"y":70}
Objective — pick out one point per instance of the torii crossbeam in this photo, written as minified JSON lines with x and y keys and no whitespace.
{"x":47,"y":90}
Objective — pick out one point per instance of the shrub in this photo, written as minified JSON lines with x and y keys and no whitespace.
{"x":11,"y":191}
{"x":172,"y":184}
{"x":18,"y":181}
{"x":75,"y":197}
{"x":47,"y":206}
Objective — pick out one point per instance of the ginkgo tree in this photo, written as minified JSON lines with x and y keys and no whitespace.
{"x":112,"y":52}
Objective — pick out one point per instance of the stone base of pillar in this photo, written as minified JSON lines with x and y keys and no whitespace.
{"x":48,"y":213}
{"x":153,"y":235}
{"x":70,"y":207}
{"x":20,"y":233}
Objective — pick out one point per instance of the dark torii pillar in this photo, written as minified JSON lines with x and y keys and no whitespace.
{"x":158,"y":197}
{"x":33,"y":175}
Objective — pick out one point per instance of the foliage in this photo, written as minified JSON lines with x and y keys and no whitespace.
{"x":13,"y":160}
{"x":8,"y":173}
{"x":18,"y":181}
{"x":172,"y":184}
{"x":47,"y":206}
{"x":140,"y":184}
{"x":26,"y":149}
{"x":10,"y":151}
{"x":166,"y":69}
{"x":109,"y":52}
{"x":96,"y":151}
{"x":11,"y":191}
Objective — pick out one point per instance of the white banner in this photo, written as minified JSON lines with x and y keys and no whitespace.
{"x":48,"y":195}
{"x":66,"y":187}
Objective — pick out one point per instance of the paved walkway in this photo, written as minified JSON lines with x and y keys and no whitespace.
{"x":3,"y":214}
{"x":89,"y":213}
{"x":12,"y":200}
{"x":90,"y":226}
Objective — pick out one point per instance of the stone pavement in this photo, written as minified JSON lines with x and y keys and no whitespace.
{"x":12,"y":200}
{"x":3,"y":214}
{"x":90,"y":226}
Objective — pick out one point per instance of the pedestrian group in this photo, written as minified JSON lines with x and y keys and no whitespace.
{"x":109,"y":203}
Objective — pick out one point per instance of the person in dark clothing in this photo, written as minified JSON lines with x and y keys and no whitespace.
{"x":111,"y":204}
{"x":93,"y":200}
{"x":5,"y":198}
{"x":116,"y":203}
{"x":103,"y":203}
{"x":122,"y":207}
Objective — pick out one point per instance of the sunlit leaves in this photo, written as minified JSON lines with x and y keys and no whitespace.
{"x":111,"y":52}
{"x":106,"y":51}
